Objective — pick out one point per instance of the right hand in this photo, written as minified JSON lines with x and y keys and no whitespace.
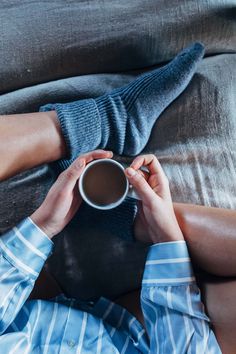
{"x":63,"y":198}
{"x":156,"y":207}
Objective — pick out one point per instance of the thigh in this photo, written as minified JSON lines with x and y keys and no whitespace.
{"x":219,"y":296}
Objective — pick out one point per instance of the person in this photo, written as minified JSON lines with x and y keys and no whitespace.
{"x":170,"y":298}
{"x":62,"y":132}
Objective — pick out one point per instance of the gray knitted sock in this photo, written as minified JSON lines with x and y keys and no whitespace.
{"x":122,"y":120}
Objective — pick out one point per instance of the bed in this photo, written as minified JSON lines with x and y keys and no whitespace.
{"x":52,"y":51}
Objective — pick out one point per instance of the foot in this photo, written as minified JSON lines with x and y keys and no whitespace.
{"x":128,"y":114}
{"x":122,"y":120}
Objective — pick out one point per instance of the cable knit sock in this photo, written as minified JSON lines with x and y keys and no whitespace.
{"x":122,"y":120}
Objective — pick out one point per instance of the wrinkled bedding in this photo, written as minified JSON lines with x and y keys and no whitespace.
{"x":57,"y":52}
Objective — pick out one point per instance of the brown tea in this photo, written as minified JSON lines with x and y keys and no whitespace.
{"x":104,"y":183}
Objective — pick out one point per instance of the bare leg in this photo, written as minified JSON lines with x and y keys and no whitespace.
{"x":210,"y":234}
{"x":29,"y":140}
{"x":219,"y":299}
{"x":211,"y":237}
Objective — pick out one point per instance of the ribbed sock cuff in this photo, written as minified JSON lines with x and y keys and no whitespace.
{"x":81,"y":128}
{"x":113,"y":118}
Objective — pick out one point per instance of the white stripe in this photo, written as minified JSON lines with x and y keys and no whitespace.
{"x":28,"y":244}
{"x":108,"y":310}
{"x":131,"y":321}
{"x":205,"y":336}
{"x":169,"y":303}
{"x":15,"y":259}
{"x":170,"y":330}
{"x":170,"y":260}
{"x":121,"y":318}
{"x":112,"y":332}
{"x":188,"y":333}
{"x":14,"y":326}
{"x":37,"y":318}
{"x":156,"y":323}
{"x":166,"y":280}
{"x":155,"y":314}
{"x":41,"y":231}
{"x":189,"y":301}
{"x":100,"y":334}
{"x":118,"y":324}
{"x":125,"y":346}
{"x":82,"y":332}
{"x":6,"y":275}
{"x":10,"y":291}
{"x":141,"y":333}
{"x":28,"y":348}
{"x":14,"y":350}
{"x":20,"y":301}
{"x":168,"y":243}
{"x":168,"y":296}
{"x":28,"y":322}
{"x":190,"y":310}
{"x":68,"y":317}
{"x":53,"y":320}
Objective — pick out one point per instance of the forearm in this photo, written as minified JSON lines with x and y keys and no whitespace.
{"x":28,"y":140}
{"x":211,"y":237}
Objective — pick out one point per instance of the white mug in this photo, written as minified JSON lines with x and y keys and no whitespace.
{"x":126,"y":189}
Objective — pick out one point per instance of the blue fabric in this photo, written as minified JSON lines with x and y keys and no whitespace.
{"x":172,"y":308}
{"x":122,"y":120}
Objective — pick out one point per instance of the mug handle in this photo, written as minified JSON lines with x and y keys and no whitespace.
{"x":131,"y":193}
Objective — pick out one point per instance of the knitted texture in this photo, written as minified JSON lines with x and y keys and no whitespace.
{"x":122,"y":122}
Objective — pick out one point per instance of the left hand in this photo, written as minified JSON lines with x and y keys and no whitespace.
{"x":63,"y":199}
{"x":157,"y":208}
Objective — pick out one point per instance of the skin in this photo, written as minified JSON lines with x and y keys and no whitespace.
{"x":156,"y":208}
{"x":28,"y":140}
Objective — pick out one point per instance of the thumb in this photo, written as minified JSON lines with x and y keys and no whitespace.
{"x":142,"y":187}
{"x":69,"y":177}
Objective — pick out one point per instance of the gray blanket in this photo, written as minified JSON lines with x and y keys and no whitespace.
{"x":57,"y":52}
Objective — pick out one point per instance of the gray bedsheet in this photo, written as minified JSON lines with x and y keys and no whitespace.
{"x":52,"y":52}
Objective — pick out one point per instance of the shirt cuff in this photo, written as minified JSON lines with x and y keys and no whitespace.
{"x":168,"y":264}
{"x":26,"y":247}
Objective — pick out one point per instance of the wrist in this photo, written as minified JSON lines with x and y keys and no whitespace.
{"x":168,"y":234}
{"x":42,"y":222}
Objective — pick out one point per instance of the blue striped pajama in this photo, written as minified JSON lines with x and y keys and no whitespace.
{"x":174,"y":315}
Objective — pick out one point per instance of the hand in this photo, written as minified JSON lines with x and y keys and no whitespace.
{"x":63,"y":199}
{"x":156,"y":211}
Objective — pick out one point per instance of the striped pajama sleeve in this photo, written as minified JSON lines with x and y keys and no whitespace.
{"x":174,"y":314}
{"x":23,"y":252}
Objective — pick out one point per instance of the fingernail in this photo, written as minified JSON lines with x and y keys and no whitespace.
{"x":130,"y":172}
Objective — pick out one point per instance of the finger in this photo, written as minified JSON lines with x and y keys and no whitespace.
{"x":144,"y":174}
{"x":70,"y":176}
{"x":141,"y":186}
{"x":96,"y":154}
{"x":151,"y":162}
